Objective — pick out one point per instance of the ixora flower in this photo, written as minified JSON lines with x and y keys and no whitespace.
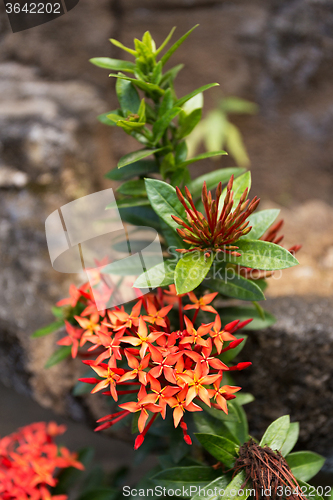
{"x":29,"y":461}
{"x":222,"y":226}
{"x":163,"y":366}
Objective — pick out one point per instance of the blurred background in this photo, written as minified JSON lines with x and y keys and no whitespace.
{"x":276,"y":54}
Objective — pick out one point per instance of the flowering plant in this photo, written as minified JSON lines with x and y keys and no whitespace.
{"x":170,"y":353}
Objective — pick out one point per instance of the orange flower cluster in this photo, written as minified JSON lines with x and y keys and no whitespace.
{"x":29,"y":459}
{"x":139,"y":353}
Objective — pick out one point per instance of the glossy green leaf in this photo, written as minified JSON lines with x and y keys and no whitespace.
{"x":187,"y":122}
{"x":310,"y":491}
{"x":206,"y":424}
{"x":166,"y":104}
{"x":175,"y":46}
{"x":260,"y":222}
{"x":46,"y":330}
{"x":133,"y":188}
{"x":276,"y":433}
{"x":160,"y":275}
{"x":114,"y":64}
{"x":165,"y":42}
{"x":244,"y":398}
{"x":123,"y":47}
{"x":141,"y":216}
{"x":189,"y":96}
{"x":217,"y":485}
{"x":233,"y":285}
{"x":258,"y":254}
{"x":58,"y":356}
{"x":191,"y":270}
{"x":177,"y":477}
{"x":202,"y":157}
{"x":219,"y":447}
{"x":194,"y":103}
{"x":149,"y":88}
{"x":136,"y":156}
{"x":305,"y":464}
{"x":291,"y":438}
{"x":238,"y":426}
{"x":103,"y":118}
{"x":136,"y":169}
{"x":233,"y":489}
{"x":242,"y":313}
{"x":162,"y":123}
{"x":172,"y":239}
{"x":212,"y":179}
{"x":128,"y":96}
{"x":164,"y":200}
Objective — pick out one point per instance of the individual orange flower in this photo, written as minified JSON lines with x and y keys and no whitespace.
{"x":73,"y":338}
{"x":154,"y":316}
{"x":162,"y":394}
{"x":138,"y":368}
{"x":221,"y":394}
{"x":89,"y":326}
{"x":72,"y":300}
{"x":127,"y":320}
{"x":193,"y":336}
{"x":111,"y":377}
{"x":144,"y":404}
{"x":220,"y":336}
{"x":162,"y":362}
{"x":179,"y":405}
{"x":201,"y":303}
{"x":195,"y":380}
{"x":143,"y":339}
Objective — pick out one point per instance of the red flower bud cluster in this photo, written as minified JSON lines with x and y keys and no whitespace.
{"x":222,"y":226}
{"x":29,"y":460}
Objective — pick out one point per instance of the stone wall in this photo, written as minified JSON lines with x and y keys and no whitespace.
{"x":52,"y":150}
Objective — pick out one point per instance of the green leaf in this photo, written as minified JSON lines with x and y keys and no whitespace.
{"x":305,"y":464}
{"x":175,"y":46}
{"x":162,"y":123}
{"x":177,"y":477}
{"x":133,"y":188}
{"x":260,"y":222}
{"x":258,"y":254}
{"x":136,"y":156}
{"x":128,"y":96}
{"x":233,"y":489}
{"x":141,"y":216}
{"x":242,"y":313}
{"x":291,"y":439}
{"x":276,"y":433}
{"x":244,"y":398}
{"x":206,"y":424}
{"x":235,"y":145}
{"x":103,"y":118}
{"x":136,"y":169}
{"x":164,"y":200}
{"x":121,"y":46}
{"x":212,"y":179}
{"x":187,"y":122}
{"x":166,"y":41}
{"x":58,"y":356}
{"x":189,"y":96}
{"x":218,"y":484}
{"x":170,"y":75}
{"x":310,"y":491}
{"x":114,"y":64}
{"x":240,"y":184}
{"x":220,"y":447}
{"x":202,"y":157}
{"x":46,"y":330}
{"x":238,"y":426}
{"x":149,"y":88}
{"x":160,"y":275}
{"x":234,"y":286}
{"x":191,"y":270}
